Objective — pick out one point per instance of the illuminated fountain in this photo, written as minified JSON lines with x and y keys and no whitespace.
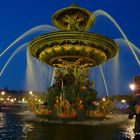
{"x":72,"y":51}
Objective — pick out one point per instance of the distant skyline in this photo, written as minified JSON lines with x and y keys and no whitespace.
{"x":19,"y":16}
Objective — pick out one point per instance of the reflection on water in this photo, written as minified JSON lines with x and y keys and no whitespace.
{"x":10,"y":126}
{"x":127,"y":130}
{"x":13,"y":127}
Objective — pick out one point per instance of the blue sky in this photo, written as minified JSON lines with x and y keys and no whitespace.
{"x":18,"y":16}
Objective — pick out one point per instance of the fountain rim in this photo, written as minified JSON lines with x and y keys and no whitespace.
{"x":103,"y":46}
{"x":53,"y":39}
{"x":70,"y":32}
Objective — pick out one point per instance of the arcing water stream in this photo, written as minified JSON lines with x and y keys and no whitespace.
{"x":10,"y":58}
{"x":30,"y":32}
{"x":121,"y":41}
{"x":105,"y":14}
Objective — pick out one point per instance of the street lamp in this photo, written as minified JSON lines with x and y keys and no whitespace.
{"x":123,"y":101}
{"x":2,"y":93}
{"x":132,"y":86}
{"x":30,"y":92}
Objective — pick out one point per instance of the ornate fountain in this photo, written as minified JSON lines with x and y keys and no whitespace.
{"x":72,"y":50}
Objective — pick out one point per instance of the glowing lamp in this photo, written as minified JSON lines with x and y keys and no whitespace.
{"x":2,"y":93}
{"x":132,"y":86}
{"x":30,"y":92}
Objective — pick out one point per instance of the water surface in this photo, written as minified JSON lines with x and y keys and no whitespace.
{"x":14,"y":127}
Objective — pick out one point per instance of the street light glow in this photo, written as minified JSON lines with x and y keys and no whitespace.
{"x":12,"y":100}
{"x":30,"y":92}
{"x":123,"y":101}
{"x":2,"y":93}
{"x":132,"y":86}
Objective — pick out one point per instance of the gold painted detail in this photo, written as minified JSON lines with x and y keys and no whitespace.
{"x":73,"y":18}
{"x":87,"y":56}
{"x":91,"y":49}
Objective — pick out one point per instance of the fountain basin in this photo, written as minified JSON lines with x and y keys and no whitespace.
{"x":79,"y":47}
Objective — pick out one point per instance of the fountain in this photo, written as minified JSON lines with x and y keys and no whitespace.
{"x":72,"y":51}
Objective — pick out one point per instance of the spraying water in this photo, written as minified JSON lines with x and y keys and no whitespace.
{"x":29,"y":32}
{"x":96,"y":76}
{"x":104,"y":81}
{"x":38,"y":75}
{"x":36,"y":71}
{"x":103,"y":13}
{"x":10,"y":58}
{"x":106,"y":77}
{"x":121,"y":41}
{"x":111,"y":72}
{"x":52,"y":80}
{"x":115,"y":74}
